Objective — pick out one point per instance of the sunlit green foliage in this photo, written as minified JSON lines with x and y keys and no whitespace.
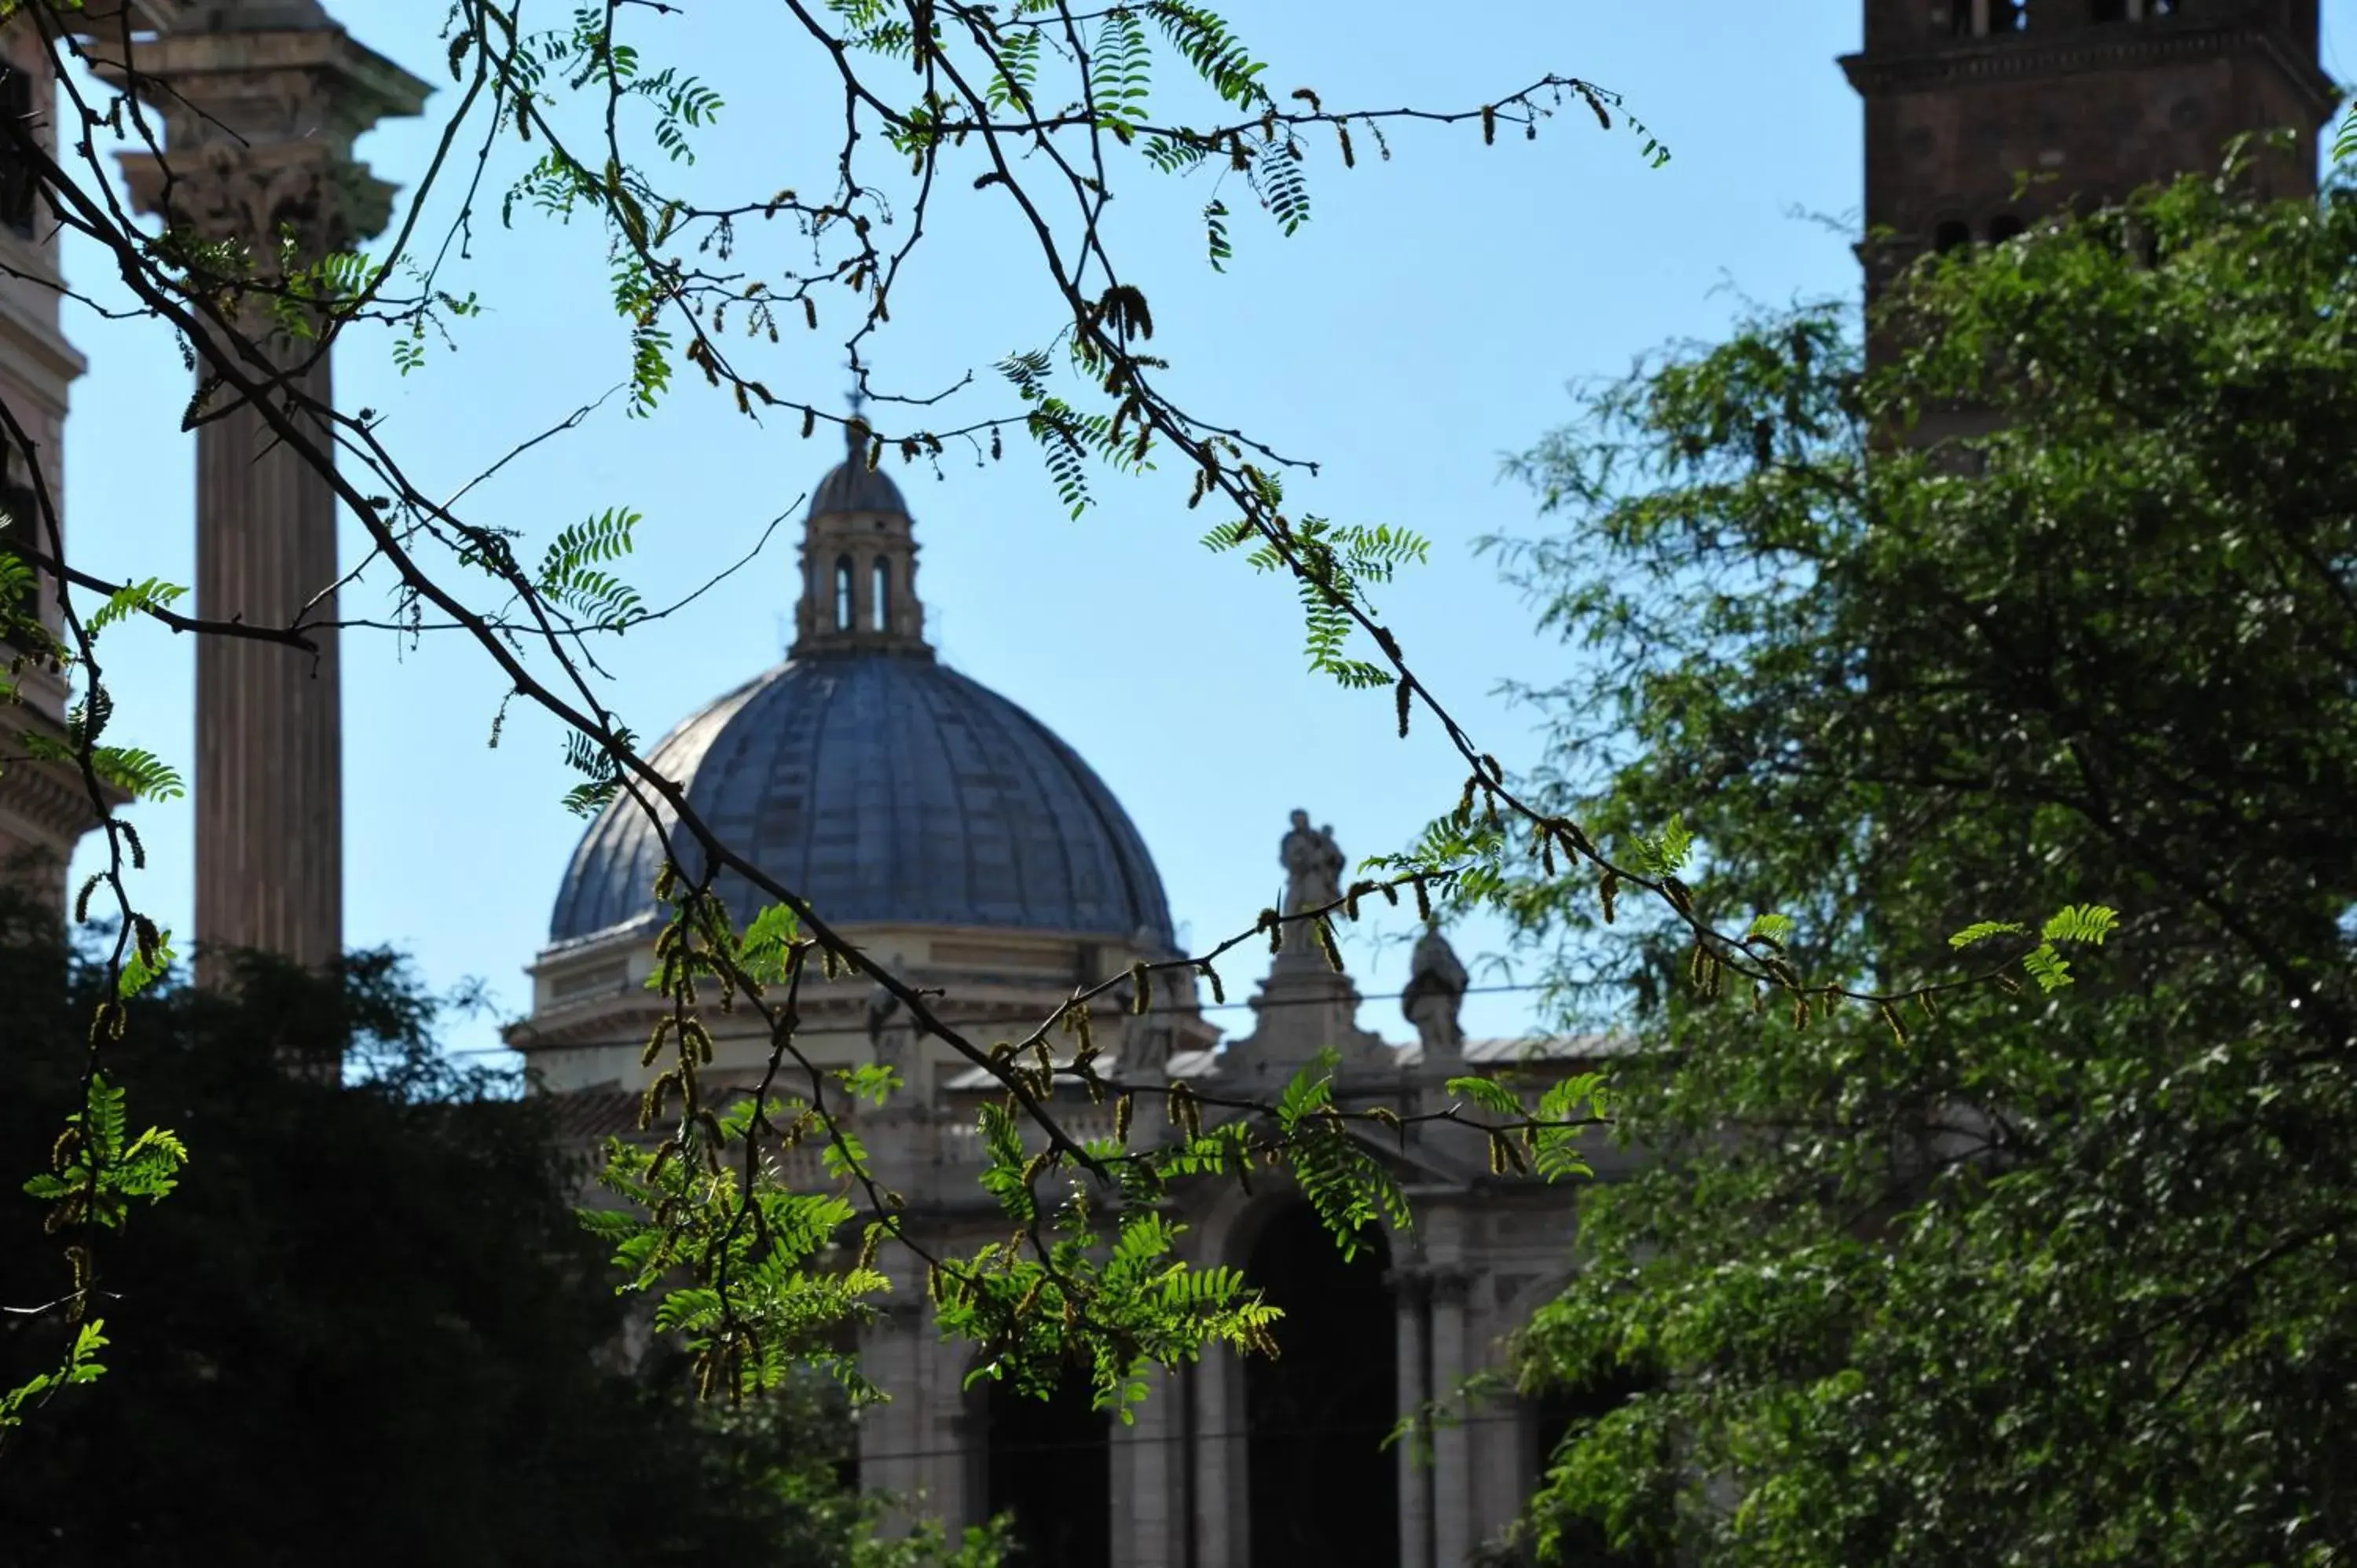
{"x":2001,"y":1277}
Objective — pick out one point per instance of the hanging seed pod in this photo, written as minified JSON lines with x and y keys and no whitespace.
{"x":1423,"y":899}
{"x":1123,"y":1109}
{"x":1273,"y":923}
{"x":1141,"y":979}
{"x":1218,"y":991}
{"x":1405,"y":696}
{"x":650,"y":1103}
{"x":656,"y":1041}
{"x":1607,"y":889}
{"x":1890,"y":1017}
{"x":1325,"y":933}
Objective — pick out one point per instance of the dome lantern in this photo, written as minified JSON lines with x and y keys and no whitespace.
{"x":859,"y":563}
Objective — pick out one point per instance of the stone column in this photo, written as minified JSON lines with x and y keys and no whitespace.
{"x":1452,"y":1467}
{"x":1415,"y":1463}
{"x":891,"y":1435}
{"x":1145,"y":1484}
{"x":1221,"y":1516}
{"x":261,"y":100}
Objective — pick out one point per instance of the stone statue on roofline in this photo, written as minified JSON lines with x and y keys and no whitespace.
{"x":1313,"y":865}
{"x":1435,"y":995}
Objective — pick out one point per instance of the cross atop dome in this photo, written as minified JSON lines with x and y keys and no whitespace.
{"x":858,"y":560}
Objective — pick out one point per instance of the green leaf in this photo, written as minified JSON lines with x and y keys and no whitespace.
{"x":2089,"y":923}
{"x":1665,"y":855}
{"x":1488,"y":1093}
{"x":142,"y":970}
{"x":133,"y":598}
{"x":2047,"y":967}
{"x":1974,"y":935}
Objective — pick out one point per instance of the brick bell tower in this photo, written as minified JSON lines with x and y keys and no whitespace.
{"x":2087,"y":100}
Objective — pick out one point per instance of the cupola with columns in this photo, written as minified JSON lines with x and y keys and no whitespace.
{"x":859,"y":563}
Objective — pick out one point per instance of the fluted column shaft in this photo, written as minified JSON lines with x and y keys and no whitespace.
{"x":1414,"y":1392}
{"x":1452,"y":1467}
{"x":269,"y":765}
{"x":260,"y":104}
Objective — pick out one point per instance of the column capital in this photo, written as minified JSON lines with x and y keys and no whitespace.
{"x":259,"y":125}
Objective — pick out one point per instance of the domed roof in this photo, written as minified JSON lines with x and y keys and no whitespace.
{"x":852,"y":486}
{"x":883,"y":787}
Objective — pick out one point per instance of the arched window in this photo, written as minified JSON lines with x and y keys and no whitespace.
{"x":2004,"y":226}
{"x":1049,"y":1463}
{"x":2008,"y":16}
{"x":880,"y":584}
{"x":1324,"y":1484}
{"x":1952,"y":235}
{"x":844,"y":616}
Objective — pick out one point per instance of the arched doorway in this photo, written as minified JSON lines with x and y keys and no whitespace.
{"x":1324,"y":1491}
{"x":1048,"y":1463}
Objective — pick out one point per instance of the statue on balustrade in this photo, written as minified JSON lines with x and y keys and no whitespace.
{"x":1313,"y":865}
{"x":1435,"y":995}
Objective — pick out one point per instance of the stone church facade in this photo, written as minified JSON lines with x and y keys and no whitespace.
{"x":974,"y":851}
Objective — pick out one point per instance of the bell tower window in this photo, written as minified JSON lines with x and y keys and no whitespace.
{"x":1952,"y":235}
{"x":880,"y":581}
{"x":845,"y":618}
{"x":1980,"y":18}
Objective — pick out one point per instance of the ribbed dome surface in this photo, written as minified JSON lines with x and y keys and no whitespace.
{"x":883,"y":789}
{"x":849,"y":486}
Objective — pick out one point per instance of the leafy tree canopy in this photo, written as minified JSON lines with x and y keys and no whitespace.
{"x":2049,"y":603}
{"x":376,"y":1306}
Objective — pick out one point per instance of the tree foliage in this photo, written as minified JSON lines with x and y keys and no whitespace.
{"x":375,"y":1303}
{"x":2047,"y":608}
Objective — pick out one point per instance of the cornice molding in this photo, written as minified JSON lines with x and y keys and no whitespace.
{"x":2085,"y":50}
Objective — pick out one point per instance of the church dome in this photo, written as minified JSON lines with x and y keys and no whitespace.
{"x":879,"y":786}
{"x":851,"y":487}
{"x":883,"y":789}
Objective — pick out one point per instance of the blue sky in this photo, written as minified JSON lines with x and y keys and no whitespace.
{"x":1423,"y":325}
